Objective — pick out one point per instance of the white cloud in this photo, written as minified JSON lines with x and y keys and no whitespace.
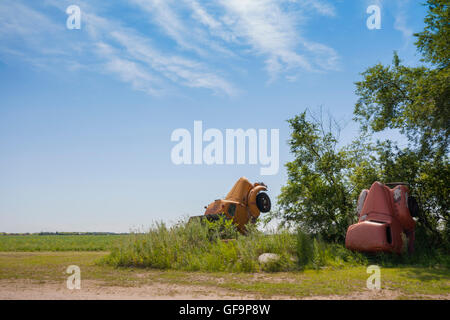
{"x":265,"y":26}
{"x":19,"y":20}
{"x":23,"y":30}
{"x":124,"y":52}
{"x":201,"y":15}
{"x":268,"y":30}
{"x":136,"y":47}
{"x":274,"y":32}
{"x":216,"y":26}
{"x":400,"y":23}
{"x":128,"y":71}
{"x":321,"y":7}
{"x":164,"y":14}
{"x":178,"y":69}
{"x":399,"y":10}
{"x":210,"y":39}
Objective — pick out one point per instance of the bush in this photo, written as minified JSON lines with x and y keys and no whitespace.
{"x":217,"y":246}
{"x":313,"y":252}
{"x":304,"y":248}
{"x":203,"y":245}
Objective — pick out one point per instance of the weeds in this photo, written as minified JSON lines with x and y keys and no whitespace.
{"x":217,"y":246}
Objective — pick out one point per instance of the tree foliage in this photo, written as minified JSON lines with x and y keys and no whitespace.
{"x":324,"y":181}
{"x":433,"y":41}
{"x":316,"y":194}
{"x":416,"y":101}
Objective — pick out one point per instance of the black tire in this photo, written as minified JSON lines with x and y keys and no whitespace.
{"x":263,"y":202}
{"x":413,"y":207}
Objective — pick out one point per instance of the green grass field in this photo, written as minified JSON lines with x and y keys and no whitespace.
{"x":59,"y":242}
{"x":49,"y":256}
{"x":407,"y":282}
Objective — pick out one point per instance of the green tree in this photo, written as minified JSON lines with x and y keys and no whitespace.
{"x":428,"y":178}
{"x":324,"y":181}
{"x":433,"y":41}
{"x":416,"y":101}
{"x":316,"y":195}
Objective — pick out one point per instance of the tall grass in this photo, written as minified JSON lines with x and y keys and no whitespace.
{"x":314,"y":253}
{"x":217,"y":246}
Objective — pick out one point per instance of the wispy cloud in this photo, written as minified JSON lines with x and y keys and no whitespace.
{"x":400,"y":23}
{"x":162,"y":13}
{"x":321,"y":7}
{"x":215,"y":25}
{"x":23,"y":30}
{"x":178,"y":69}
{"x":272,"y":31}
{"x":399,"y":10}
{"x":207,"y":38}
{"x":141,"y":52}
{"x":123,"y":52}
{"x":266,"y":26}
{"x":128,"y":71}
{"x":18,"y":19}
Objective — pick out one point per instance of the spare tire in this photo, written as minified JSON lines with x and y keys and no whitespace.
{"x":263,"y":202}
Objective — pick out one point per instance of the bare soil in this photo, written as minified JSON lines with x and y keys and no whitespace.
{"x":95,"y":290}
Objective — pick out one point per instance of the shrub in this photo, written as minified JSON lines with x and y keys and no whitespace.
{"x":304,"y":248}
{"x":204,"y":246}
{"x":218,"y":247}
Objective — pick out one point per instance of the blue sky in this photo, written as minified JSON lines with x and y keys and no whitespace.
{"x":86,"y":115}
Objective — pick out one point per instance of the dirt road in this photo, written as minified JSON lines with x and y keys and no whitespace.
{"x":94,"y":290}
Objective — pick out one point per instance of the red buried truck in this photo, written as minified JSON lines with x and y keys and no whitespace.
{"x":384,"y":214}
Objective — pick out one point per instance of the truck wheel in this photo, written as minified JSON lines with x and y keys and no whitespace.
{"x":263,"y":202}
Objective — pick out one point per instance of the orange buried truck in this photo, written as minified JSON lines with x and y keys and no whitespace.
{"x":383,"y":215}
{"x":243,"y":204}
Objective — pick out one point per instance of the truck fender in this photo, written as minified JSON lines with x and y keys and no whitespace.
{"x":251,"y":201}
